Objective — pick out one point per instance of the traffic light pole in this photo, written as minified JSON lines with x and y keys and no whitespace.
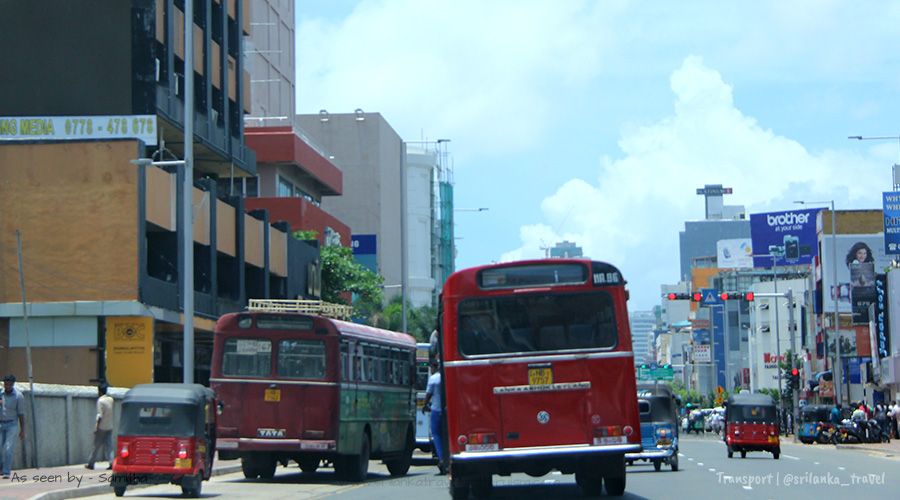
{"x":795,"y":392}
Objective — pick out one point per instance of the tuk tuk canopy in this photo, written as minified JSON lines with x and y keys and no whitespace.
{"x":657,"y":405}
{"x":752,"y":408}
{"x":815,"y":413}
{"x":165,"y":410}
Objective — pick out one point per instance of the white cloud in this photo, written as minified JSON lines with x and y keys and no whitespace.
{"x":631,"y":214}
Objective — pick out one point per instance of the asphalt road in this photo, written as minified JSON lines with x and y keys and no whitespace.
{"x":802,"y":472}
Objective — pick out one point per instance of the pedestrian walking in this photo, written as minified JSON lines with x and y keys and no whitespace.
{"x":12,"y":419}
{"x":433,"y":398}
{"x":896,"y":419}
{"x":103,"y":447}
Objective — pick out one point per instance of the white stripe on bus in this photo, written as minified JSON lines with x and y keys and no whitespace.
{"x":272,"y":381}
{"x":566,"y":386}
{"x":538,"y":359}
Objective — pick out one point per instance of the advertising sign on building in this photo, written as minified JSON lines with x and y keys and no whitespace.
{"x":858,"y":256}
{"x":789,"y":236}
{"x":891,"y":207}
{"x":702,"y":353}
{"x":734,"y":254}
{"x":129,"y":350}
{"x":365,"y":250}
{"x":882,"y":319}
{"x":78,"y":128}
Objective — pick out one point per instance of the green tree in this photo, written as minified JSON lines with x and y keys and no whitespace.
{"x":342,"y":275}
{"x":420,"y":321}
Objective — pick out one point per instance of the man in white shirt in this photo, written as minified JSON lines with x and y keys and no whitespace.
{"x":103,"y":447}
{"x":433,"y":398}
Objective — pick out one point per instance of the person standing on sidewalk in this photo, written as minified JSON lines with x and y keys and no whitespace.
{"x":103,"y":448}
{"x":12,"y":418}
{"x":433,"y":398}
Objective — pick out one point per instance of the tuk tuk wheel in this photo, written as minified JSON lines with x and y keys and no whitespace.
{"x":730,"y":452}
{"x":191,"y":486}
{"x":776,"y":454}
{"x":743,"y":454}
{"x":309,"y":465}
{"x":657,"y":465}
{"x":119,"y":490}
{"x":673,"y":462}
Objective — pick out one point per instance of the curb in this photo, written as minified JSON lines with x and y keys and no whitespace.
{"x":99,"y":489}
{"x":888,"y":453}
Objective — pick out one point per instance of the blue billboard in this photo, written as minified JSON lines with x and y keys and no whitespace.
{"x":789,"y":236}
{"x":365,"y":250}
{"x":891,"y":205}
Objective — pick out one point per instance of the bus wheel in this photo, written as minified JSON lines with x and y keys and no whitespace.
{"x":615,"y":486}
{"x":400,"y":466}
{"x":591,"y":483}
{"x":459,"y":489}
{"x":248,"y":467}
{"x":308,"y":465}
{"x":266,"y":467}
{"x":481,"y":487}
{"x":356,"y":467}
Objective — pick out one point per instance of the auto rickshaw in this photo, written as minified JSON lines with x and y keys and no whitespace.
{"x":814,"y":424}
{"x":751,"y":424}
{"x":167,"y":434}
{"x":658,"y":410}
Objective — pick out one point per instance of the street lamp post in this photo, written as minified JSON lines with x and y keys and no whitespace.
{"x":777,"y":323}
{"x":836,"y":364}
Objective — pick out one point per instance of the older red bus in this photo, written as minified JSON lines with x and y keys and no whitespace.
{"x":538,"y":374}
{"x":296,"y":385}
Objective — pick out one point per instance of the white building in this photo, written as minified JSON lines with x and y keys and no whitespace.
{"x":769,"y":333}
{"x":642,"y":325}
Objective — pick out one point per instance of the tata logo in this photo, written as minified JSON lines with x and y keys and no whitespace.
{"x":787,"y":219}
{"x":270,"y":433}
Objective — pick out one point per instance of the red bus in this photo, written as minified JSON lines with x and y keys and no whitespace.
{"x":296,"y":385}
{"x":538,"y":374}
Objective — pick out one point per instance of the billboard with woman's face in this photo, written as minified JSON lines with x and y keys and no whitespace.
{"x":858,"y":259}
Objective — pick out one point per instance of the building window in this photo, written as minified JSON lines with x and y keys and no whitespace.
{"x":285,"y":188}
{"x":251,"y":187}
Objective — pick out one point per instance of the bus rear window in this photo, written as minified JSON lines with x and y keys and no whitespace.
{"x":284,"y":322}
{"x":536,"y":323}
{"x":533,"y":275}
{"x":301,"y":359}
{"x":247,"y":358}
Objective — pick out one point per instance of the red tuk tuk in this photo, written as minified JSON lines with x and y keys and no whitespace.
{"x":751,"y":424}
{"x":167,"y":434}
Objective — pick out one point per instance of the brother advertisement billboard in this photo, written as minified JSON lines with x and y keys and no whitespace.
{"x":789,"y":236}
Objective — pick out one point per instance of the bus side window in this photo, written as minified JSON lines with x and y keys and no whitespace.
{"x":345,"y":360}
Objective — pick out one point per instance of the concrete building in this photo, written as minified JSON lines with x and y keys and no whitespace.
{"x":566,"y":249}
{"x":643,"y":324}
{"x":697,"y":243}
{"x":101,"y":237}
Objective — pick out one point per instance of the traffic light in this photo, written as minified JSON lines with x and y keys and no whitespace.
{"x":694,"y":297}
{"x":794,"y":378}
{"x":747,"y":296}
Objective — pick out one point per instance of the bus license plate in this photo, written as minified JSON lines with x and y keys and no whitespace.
{"x":540,"y":376}
{"x":272,"y":395}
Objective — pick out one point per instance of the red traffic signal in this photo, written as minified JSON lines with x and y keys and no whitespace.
{"x":672,"y":296}
{"x":748,"y":296}
{"x":696,"y":297}
{"x":795,"y":372}
{"x":727,"y":295}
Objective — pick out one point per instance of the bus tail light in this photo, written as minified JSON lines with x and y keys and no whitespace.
{"x":482,"y":441}
{"x":610,"y":434}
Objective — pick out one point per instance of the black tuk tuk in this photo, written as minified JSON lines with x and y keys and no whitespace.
{"x":167,"y":434}
{"x":658,"y":408}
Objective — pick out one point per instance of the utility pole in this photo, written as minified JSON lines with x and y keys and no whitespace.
{"x":792,"y":328}
{"x":34,"y":455}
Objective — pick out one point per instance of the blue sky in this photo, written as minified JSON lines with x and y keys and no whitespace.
{"x":595,"y":121}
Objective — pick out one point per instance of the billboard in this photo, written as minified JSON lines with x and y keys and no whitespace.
{"x":790,"y":236}
{"x":855,"y":262}
{"x":701,"y":353}
{"x":365,"y":250}
{"x":734,"y":254}
{"x":891,"y":212}
{"x":129,"y":350}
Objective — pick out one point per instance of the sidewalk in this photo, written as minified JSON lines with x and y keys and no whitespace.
{"x":891,"y":449}
{"x":72,"y":481}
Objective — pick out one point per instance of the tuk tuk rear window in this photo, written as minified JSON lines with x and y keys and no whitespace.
{"x":247,"y":358}
{"x":752,"y":413}
{"x":157,"y":419}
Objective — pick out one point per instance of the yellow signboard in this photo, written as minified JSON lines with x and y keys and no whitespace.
{"x":129,"y":350}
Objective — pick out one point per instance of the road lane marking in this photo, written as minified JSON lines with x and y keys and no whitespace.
{"x":712,"y":470}
{"x":681,"y":454}
{"x":700,"y":464}
{"x":842,"y":468}
{"x":747,"y":487}
{"x":791,"y":457}
{"x":690,"y":459}
{"x":549,"y":481}
{"x":817,"y":463}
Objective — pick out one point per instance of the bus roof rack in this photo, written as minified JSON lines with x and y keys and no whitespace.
{"x":316,"y":307}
